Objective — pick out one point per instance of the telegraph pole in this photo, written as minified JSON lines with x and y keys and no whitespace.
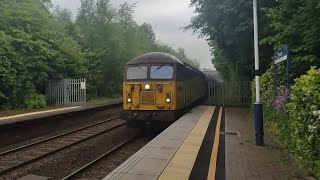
{"x":258,"y":112}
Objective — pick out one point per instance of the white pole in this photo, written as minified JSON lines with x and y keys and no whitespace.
{"x":256,"y":50}
{"x":258,"y":111}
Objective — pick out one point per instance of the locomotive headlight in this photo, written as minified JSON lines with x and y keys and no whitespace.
{"x":129,"y":100}
{"x":147,"y":86}
{"x":168,"y":100}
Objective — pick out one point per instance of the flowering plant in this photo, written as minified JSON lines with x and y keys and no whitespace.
{"x":282,"y":97}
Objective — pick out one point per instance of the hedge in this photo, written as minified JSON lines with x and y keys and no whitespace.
{"x":295,"y":119}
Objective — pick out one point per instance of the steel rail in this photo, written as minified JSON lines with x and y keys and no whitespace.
{"x":75,"y":173}
{"x":55,"y":137}
{"x":58,"y":150}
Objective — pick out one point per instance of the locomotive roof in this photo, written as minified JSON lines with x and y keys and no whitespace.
{"x":155,"y":57}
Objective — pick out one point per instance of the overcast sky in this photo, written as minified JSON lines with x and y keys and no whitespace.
{"x":166,"y":17}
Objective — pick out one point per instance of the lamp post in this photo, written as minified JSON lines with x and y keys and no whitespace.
{"x":258,"y":112}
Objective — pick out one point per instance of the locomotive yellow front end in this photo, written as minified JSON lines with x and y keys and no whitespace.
{"x":150,"y":90}
{"x":149,"y":93}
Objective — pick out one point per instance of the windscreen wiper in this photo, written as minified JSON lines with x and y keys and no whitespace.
{"x":159,"y":67}
{"x":141,"y":68}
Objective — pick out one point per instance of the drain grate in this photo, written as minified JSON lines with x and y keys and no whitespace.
{"x":226,"y":133}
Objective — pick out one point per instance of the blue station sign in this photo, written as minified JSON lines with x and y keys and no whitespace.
{"x":282,"y":55}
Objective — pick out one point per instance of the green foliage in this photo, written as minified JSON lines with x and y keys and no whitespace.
{"x":33,"y":49}
{"x":39,"y":42}
{"x":111,"y":37}
{"x":304,"y":110}
{"x":229,"y":28}
{"x":35,"y":101}
{"x":298,"y":126}
{"x":32,"y":99}
{"x":296,"y":24}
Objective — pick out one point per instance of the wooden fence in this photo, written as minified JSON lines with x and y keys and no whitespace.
{"x":230,"y":93}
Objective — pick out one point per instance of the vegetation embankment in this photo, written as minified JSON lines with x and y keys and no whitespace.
{"x":40,"y":42}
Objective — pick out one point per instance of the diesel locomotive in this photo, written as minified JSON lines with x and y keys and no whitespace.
{"x":158,"y":87}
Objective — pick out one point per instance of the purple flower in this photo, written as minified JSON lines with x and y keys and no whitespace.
{"x":282,"y":97}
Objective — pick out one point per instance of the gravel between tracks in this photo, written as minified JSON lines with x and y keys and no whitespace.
{"x":12,"y":138}
{"x":62,"y":163}
{"x":102,"y":168}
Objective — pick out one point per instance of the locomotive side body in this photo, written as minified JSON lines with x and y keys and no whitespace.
{"x":157,"y":87}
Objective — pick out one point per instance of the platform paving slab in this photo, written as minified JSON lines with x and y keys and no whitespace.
{"x":246,"y":161}
{"x":150,"y":161}
{"x":181,"y":164}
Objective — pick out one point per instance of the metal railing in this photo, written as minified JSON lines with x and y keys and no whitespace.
{"x":67,"y":92}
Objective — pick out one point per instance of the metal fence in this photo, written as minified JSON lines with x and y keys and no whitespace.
{"x":68,"y":92}
{"x":230,"y":93}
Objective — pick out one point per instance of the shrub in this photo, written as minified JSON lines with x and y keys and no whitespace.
{"x":281,"y":98}
{"x":31,"y":98}
{"x":266,"y":88}
{"x":295,"y":120}
{"x":35,"y":101}
{"x":304,"y":112}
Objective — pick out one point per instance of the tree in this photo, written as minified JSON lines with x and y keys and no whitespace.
{"x":296,"y":24}
{"x":228,"y":26}
{"x":33,"y":50}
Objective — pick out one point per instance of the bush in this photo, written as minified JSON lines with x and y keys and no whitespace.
{"x":305,"y":119}
{"x":296,"y":119}
{"x":31,"y":98}
{"x":266,"y":88}
{"x":35,"y":101}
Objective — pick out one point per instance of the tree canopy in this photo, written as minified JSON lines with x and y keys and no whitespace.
{"x":40,"y":42}
{"x":229,"y":28}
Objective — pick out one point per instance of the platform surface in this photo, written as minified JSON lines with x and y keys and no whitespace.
{"x":171,"y":154}
{"x":36,"y":113}
{"x":47,"y":113}
{"x":184,"y":151}
{"x":246,"y":161}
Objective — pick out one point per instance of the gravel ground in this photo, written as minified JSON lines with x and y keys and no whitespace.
{"x":14,"y":137}
{"x":102,"y":168}
{"x":64,"y":162}
{"x":52,"y":145}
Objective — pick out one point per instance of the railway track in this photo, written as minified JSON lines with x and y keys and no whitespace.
{"x":24,"y":155}
{"x":83,"y":168}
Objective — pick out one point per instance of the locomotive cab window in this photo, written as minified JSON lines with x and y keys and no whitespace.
{"x":161,"y":72}
{"x":137,"y":72}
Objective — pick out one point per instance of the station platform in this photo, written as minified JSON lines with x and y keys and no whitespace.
{"x":7,"y":120}
{"x":173,"y":153}
{"x":209,"y":143}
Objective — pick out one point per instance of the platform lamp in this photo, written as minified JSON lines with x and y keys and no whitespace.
{"x":258,"y":111}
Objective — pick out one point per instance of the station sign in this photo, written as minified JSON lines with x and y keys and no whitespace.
{"x":281,"y":55}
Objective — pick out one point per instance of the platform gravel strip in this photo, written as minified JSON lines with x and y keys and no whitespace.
{"x":152,"y":159}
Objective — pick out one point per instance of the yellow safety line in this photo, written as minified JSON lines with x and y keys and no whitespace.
{"x":182,"y":163}
{"x":214,"y":153}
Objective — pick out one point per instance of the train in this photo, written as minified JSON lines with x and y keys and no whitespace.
{"x":159,"y":88}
